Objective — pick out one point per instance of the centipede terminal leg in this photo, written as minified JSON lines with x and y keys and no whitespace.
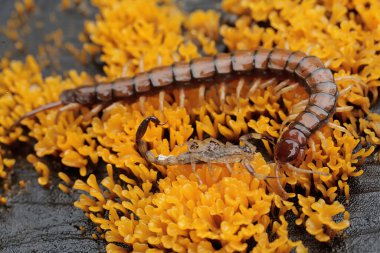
{"x":33,"y":113}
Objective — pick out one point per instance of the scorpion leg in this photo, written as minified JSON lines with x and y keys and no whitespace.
{"x":229,"y":168}
{"x":249,"y":167}
{"x":193,"y":167}
{"x":255,"y":136}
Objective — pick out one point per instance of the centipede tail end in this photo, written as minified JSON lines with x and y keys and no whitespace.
{"x":33,"y":113}
{"x":142,"y":146}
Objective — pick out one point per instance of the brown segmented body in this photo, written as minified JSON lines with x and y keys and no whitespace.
{"x":310,"y":70}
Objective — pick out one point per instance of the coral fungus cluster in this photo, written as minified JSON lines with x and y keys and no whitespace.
{"x":152,"y":208}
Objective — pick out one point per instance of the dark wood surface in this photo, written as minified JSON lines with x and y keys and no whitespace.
{"x":37,"y":219}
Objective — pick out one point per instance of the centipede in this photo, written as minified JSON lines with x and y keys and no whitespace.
{"x":310,"y":71}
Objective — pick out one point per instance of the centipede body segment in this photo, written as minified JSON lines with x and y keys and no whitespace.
{"x":309,"y":70}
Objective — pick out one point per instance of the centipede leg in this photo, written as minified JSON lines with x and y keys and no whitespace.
{"x":344,"y":108}
{"x":161,"y":100}
{"x":69,"y":107}
{"x":94,"y":111}
{"x":222,"y":95}
{"x":327,"y":63}
{"x":182,"y":97}
{"x":294,"y":168}
{"x":142,"y":100}
{"x":238,"y":89}
{"x":352,"y":78}
{"x":201,"y":94}
{"x":161,"y":95}
{"x":340,"y":128}
{"x":281,"y":85}
{"x":277,"y":171}
{"x":287,"y":120}
{"x":254,"y":87}
{"x":345,"y":90}
{"x":267,"y":83}
{"x":322,"y":138}
{"x":313,"y":148}
{"x":287,"y":89}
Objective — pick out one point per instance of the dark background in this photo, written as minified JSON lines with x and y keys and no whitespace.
{"x":37,"y":219}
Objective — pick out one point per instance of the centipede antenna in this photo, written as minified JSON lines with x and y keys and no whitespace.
{"x":34,"y":112}
{"x":292,"y":167}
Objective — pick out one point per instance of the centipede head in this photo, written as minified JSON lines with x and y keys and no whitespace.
{"x":288,"y":151}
